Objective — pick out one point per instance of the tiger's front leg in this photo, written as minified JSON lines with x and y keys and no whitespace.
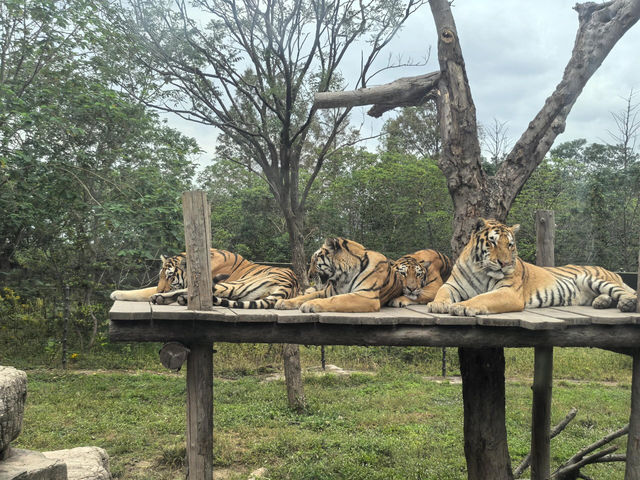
{"x":295,"y":302}
{"x":497,"y":301}
{"x":442,"y":301}
{"x":347,"y":302}
{"x":169,"y":297}
{"x":401,"y":301}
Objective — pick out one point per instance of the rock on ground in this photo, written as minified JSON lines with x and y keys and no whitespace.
{"x":13,"y":394}
{"x":29,"y":465}
{"x":83,"y":463}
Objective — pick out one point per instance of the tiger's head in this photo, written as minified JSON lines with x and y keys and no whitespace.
{"x":172,"y":274}
{"x":494,"y":247}
{"x":413,"y":274}
{"x":335,"y":259}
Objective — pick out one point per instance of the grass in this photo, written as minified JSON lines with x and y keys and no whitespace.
{"x":394,"y":424}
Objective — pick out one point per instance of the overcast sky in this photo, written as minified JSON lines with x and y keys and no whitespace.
{"x":515,"y":52}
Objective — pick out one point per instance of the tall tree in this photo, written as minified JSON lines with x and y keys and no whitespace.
{"x":249,"y":69}
{"x":474,"y":193}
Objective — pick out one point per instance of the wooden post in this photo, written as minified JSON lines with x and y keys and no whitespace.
{"x":543,"y":363}
{"x":632,"y":470}
{"x":197,"y":235}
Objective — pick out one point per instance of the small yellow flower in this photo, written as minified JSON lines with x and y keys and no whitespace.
{"x":74,"y":356}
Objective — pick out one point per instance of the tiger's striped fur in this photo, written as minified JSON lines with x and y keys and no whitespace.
{"x":349,"y":278}
{"x":238,"y":282}
{"x":489,"y":277}
{"x":422,"y":274}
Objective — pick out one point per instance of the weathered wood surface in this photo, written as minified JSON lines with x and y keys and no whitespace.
{"x":200,"y":412}
{"x":560,"y":326}
{"x":555,"y":318}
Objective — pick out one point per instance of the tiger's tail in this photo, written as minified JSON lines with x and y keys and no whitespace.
{"x":267,"y":302}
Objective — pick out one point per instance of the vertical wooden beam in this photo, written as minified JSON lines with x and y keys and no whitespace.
{"x":197,"y":235}
{"x":632,"y":470}
{"x":543,"y":363}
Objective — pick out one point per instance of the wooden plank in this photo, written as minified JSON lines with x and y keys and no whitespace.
{"x":345,"y":318}
{"x":121,"y":310}
{"x":453,"y":320}
{"x":425,"y":318}
{"x":242,"y":315}
{"x":525,"y":319}
{"x":509,"y":319}
{"x":607,"y":316}
{"x":182,"y":313}
{"x":217,"y":314}
{"x":570,"y":316}
{"x":295,"y":316}
{"x":602,"y":336}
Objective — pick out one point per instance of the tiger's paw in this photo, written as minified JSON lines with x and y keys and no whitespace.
{"x":117,"y":295}
{"x":312,"y":306}
{"x":627,"y":303}
{"x":602,"y":301}
{"x":162,"y":298}
{"x":461,"y":310}
{"x":400,"y":302}
{"x":286,"y":304}
{"x":438,"y":307}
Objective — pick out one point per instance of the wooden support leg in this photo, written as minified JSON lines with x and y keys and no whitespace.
{"x":541,"y":414}
{"x":200,"y":412}
{"x":632,"y":471}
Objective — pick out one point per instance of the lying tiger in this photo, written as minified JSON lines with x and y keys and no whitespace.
{"x":422,"y":273}
{"x":489,"y":277}
{"x":348,"y":278}
{"x":238,"y":283}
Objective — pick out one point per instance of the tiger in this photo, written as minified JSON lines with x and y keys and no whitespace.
{"x":489,"y":277}
{"x":348,"y":278}
{"x":422,"y":274}
{"x":171,"y":277}
{"x":237,"y":282}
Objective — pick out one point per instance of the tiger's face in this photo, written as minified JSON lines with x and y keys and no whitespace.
{"x":413,"y":275}
{"x":172,"y":273}
{"x":333,"y":260}
{"x":495,"y":248}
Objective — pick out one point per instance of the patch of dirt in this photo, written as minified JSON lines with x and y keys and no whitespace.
{"x":333,"y":369}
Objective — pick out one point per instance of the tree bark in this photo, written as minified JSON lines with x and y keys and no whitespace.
{"x":482,"y":370}
{"x":293,"y":376}
{"x":291,"y":352}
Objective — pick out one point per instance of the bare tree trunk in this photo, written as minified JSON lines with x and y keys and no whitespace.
{"x":293,"y":376}
{"x":483,"y":370}
{"x":290,"y":352}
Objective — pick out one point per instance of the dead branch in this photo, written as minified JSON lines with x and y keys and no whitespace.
{"x":569,"y":472}
{"x":407,"y":91}
{"x":526,"y":461}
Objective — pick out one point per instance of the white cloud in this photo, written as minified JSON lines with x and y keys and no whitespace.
{"x":515,"y":53}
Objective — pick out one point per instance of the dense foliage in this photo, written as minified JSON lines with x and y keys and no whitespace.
{"x":90,"y":185}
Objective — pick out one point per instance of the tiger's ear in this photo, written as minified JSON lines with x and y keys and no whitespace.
{"x":426,"y":264}
{"x":164,"y":260}
{"x":480,"y":224}
{"x":515,"y":228}
{"x":333,"y":243}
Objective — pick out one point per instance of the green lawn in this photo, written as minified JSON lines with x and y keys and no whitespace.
{"x":389,"y":425}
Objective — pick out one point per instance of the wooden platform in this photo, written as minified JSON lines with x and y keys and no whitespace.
{"x":560,"y":326}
